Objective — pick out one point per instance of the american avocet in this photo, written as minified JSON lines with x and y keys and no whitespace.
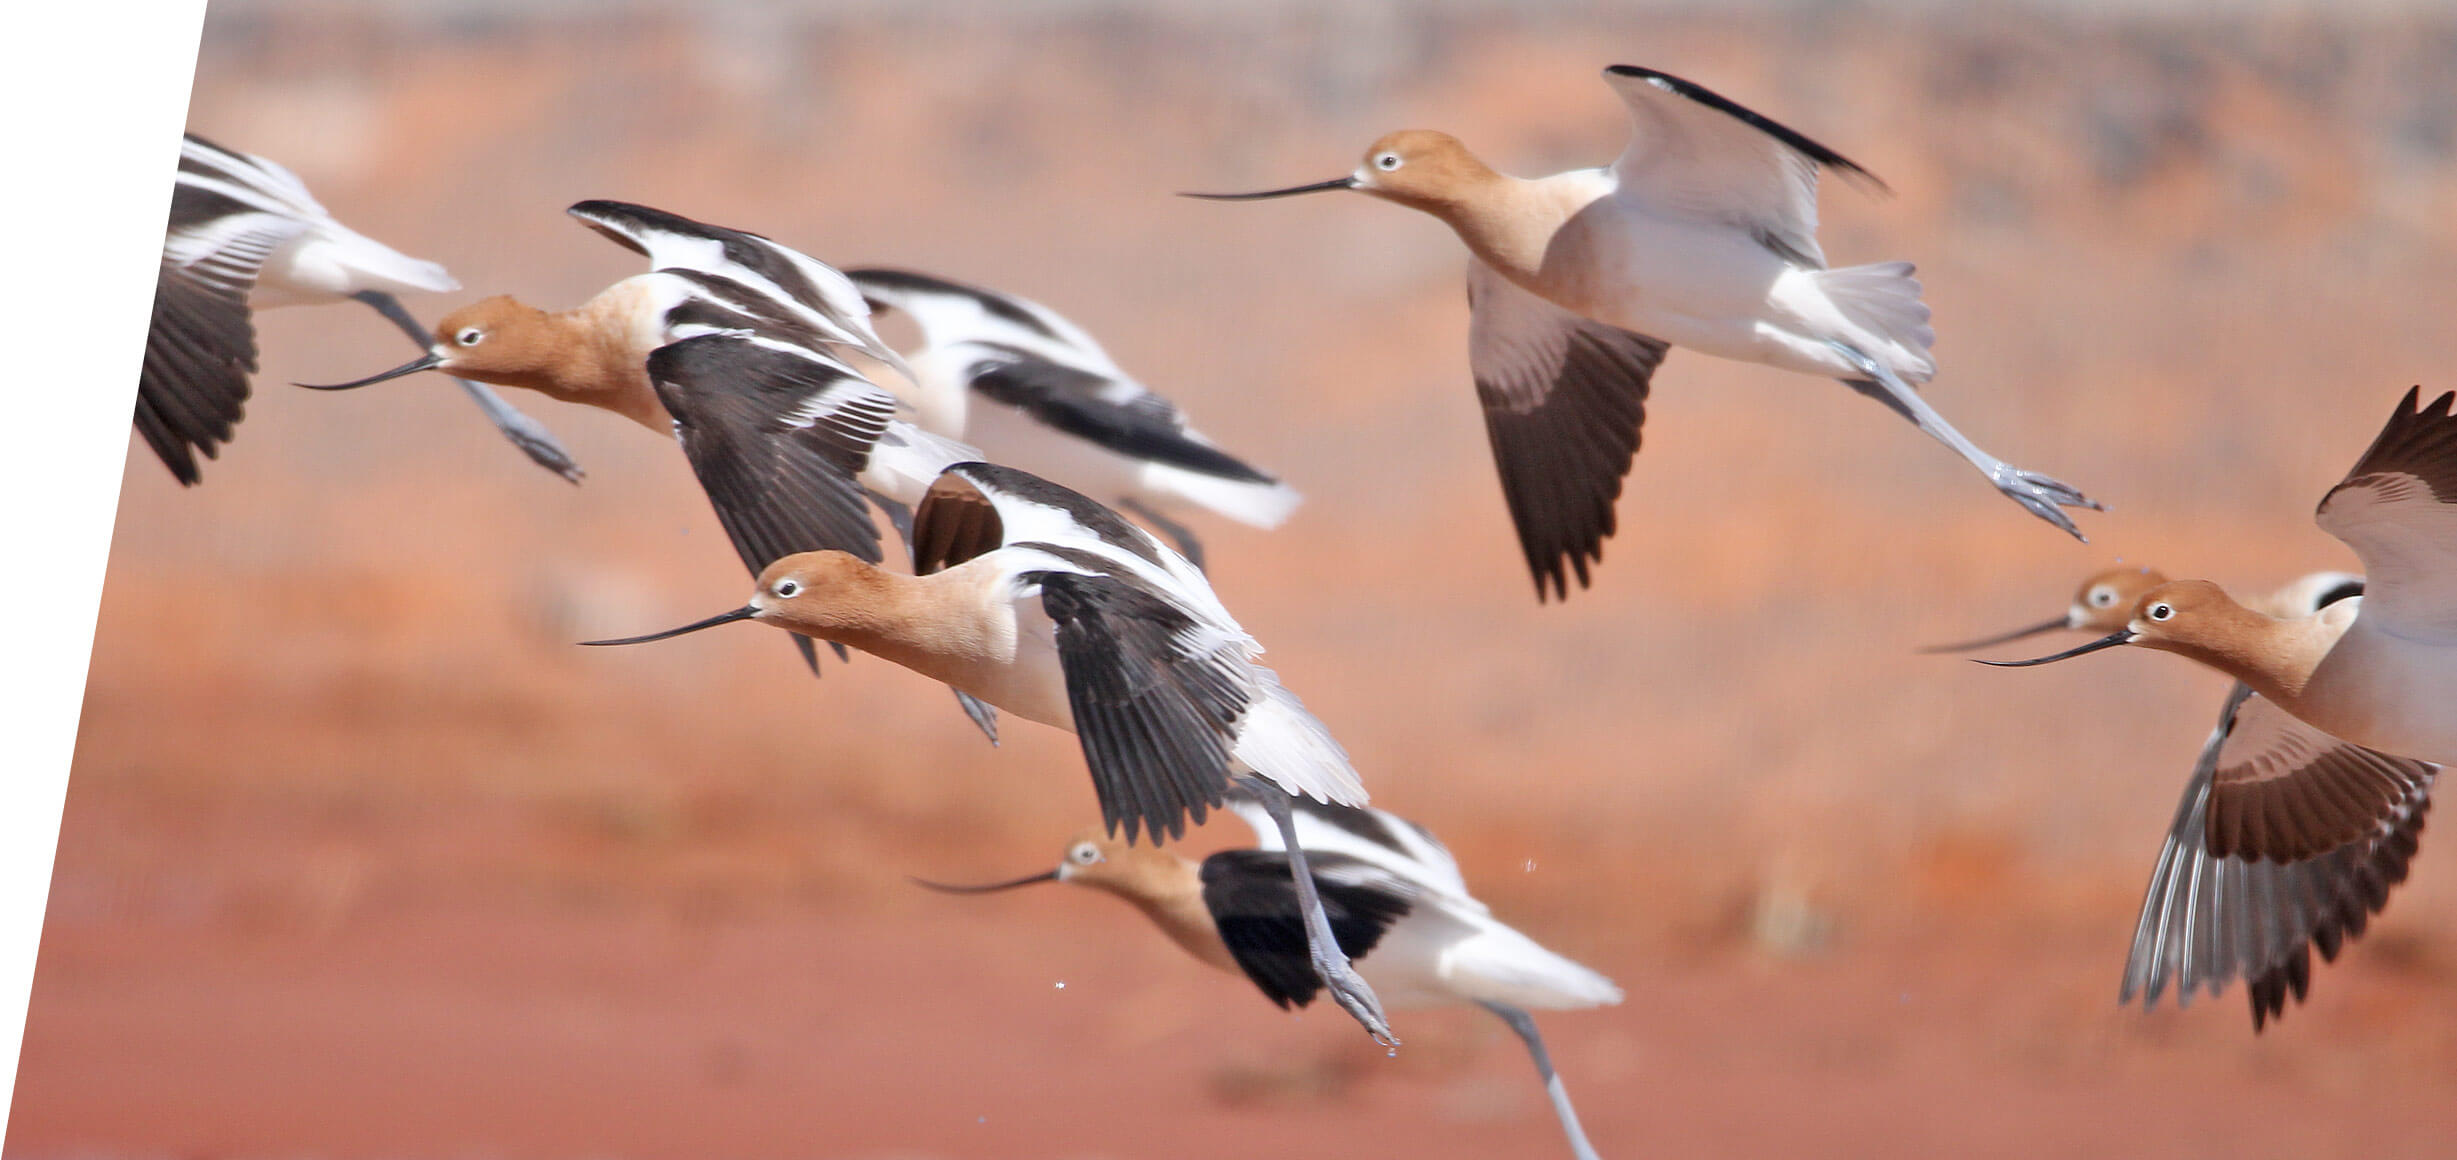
{"x":245,"y":235}
{"x":728,"y":346}
{"x":1702,"y":235}
{"x":2222,"y":905}
{"x":1046,"y":604}
{"x":1396,"y":902}
{"x":2375,"y":670}
{"x":1033,"y":391}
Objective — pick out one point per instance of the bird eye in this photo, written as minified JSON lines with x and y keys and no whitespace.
{"x":786,"y":589}
{"x":1386,"y":162}
{"x":469,"y":336}
{"x":2162,"y":612}
{"x":2102,"y":597}
{"x":1084,"y":854}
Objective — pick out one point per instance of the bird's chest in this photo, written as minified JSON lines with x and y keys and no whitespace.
{"x":1679,"y":280}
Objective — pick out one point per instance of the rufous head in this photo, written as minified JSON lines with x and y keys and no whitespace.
{"x":828,"y":595}
{"x":2195,"y":618}
{"x":1094,"y":859}
{"x":2102,"y":604}
{"x":1419,"y":168}
{"x":499,"y":340}
{"x":494,"y":340}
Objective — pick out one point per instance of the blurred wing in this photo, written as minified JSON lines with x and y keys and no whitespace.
{"x":1370,"y":835}
{"x":2286,"y":792}
{"x":1107,"y":411}
{"x":776,"y":437}
{"x":2398,"y":510}
{"x":820,"y":294}
{"x":1694,"y":153}
{"x":951,"y":313}
{"x":1563,"y":398}
{"x":1156,"y":694}
{"x":201,"y":346}
{"x":247,"y":180}
{"x":2208,"y":919}
{"x":1253,"y":902}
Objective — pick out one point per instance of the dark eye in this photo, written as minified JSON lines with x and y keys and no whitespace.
{"x":1084,"y":854}
{"x":786,"y":589}
{"x":469,"y":336}
{"x":1386,"y":162}
{"x":2162,"y":612}
{"x":2102,"y":597}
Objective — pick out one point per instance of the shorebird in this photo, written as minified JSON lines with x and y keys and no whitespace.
{"x":2219,"y":906}
{"x":1033,"y":391}
{"x":1703,"y":235}
{"x":1396,"y":902}
{"x":246,"y":235}
{"x":2376,"y":670}
{"x":1034,"y":599}
{"x":729,"y":345}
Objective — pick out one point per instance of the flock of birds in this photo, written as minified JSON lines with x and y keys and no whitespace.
{"x":1002,"y":450}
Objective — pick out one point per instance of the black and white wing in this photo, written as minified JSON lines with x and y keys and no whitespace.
{"x":1564,"y":398}
{"x":2398,"y":510}
{"x":950,"y":313}
{"x":1364,"y":833}
{"x":2209,"y":918}
{"x":1698,"y":154}
{"x":1157,"y":685}
{"x":201,"y":346}
{"x":777,"y":435}
{"x":1253,"y":901}
{"x":737,"y":264}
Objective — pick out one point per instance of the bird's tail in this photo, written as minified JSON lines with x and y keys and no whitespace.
{"x":1884,"y":300}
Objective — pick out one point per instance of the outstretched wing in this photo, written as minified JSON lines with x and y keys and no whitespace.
{"x":777,"y":437}
{"x":1564,"y":398}
{"x":2398,"y":510}
{"x":820,"y":295}
{"x":1696,"y":153}
{"x":1253,"y":901}
{"x":2287,"y":792}
{"x":1156,"y":694}
{"x":2207,"y":919}
{"x":1108,"y":411}
{"x":201,"y":347}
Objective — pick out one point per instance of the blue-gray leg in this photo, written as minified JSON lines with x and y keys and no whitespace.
{"x":1331,"y":963}
{"x":1525,"y":1024}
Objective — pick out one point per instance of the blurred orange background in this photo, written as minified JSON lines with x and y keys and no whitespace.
{"x":363,"y":858}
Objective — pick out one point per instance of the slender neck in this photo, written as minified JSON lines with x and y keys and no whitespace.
{"x":2276,"y":657}
{"x":1507,"y":222}
{"x":1175,"y":905}
{"x":936,"y":625}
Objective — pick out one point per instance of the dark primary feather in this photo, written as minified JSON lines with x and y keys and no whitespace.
{"x":194,"y":385}
{"x":630,"y":225}
{"x":1764,"y":124}
{"x":1563,"y":440}
{"x":1253,"y":901}
{"x":2208,"y":919}
{"x":780,"y":483}
{"x":2418,"y":441}
{"x":201,"y":346}
{"x":1071,"y":400}
{"x":1157,"y":723}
